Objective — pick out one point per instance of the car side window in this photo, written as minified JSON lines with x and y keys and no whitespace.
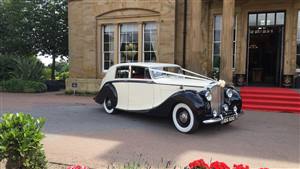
{"x":122,"y":72}
{"x":140,"y":72}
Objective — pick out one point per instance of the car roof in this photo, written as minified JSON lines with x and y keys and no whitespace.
{"x":149,"y":64}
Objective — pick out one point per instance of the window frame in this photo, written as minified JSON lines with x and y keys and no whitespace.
{"x":234,"y":54}
{"x":129,"y":72}
{"x":145,"y":69}
{"x":102,"y":45}
{"x":266,"y":18}
{"x":143,"y":43}
{"x":116,"y":18}
{"x":297,"y":40}
{"x":119,"y":41}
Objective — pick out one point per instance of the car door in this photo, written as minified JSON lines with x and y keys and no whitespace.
{"x":121,"y":85}
{"x":141,"y":89}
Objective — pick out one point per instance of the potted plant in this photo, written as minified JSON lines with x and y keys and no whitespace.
{"x":20,"y":141}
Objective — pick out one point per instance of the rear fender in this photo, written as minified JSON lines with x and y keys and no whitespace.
{"x":108,"y":90}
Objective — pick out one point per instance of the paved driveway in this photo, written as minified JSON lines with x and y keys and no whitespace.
{"x":78,"y":131}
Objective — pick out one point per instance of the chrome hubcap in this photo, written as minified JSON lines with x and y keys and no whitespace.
{"x":183,"y":117}
{"x":108,"y":104}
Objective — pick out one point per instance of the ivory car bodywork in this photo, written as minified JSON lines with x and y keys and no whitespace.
{"x":169,"y":90}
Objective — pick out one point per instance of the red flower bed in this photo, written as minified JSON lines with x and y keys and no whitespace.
{"x":77,"y":167}
{"x":200,"y":164}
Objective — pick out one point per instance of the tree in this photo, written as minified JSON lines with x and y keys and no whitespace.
{"x":51,"y":29}
{"x":36,"y":26}
{"x":16,"y":28}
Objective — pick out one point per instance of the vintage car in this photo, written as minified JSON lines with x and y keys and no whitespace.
{"x":169,"y":90}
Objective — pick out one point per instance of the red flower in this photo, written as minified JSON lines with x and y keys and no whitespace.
{"x":77,"y":167}
{"x":240,"y":166}
{"x":198,"y":164}
{"x":218,"y":165}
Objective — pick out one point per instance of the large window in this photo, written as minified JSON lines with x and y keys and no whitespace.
{"x":298,"y":42}
{"x":120,"y":43}
{"x":108,"y":46}
{"x":217,"y":29}
{"x":150,"y":40}
{"x":128,"y":42}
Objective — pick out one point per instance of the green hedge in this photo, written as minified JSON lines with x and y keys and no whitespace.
{"x":17,"y":85}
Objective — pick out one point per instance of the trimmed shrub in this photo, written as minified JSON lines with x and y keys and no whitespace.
{"x":28,"y":68}
{"x":7,"y":65}
{"x":20,"y":141}
{"x":17,"y":85}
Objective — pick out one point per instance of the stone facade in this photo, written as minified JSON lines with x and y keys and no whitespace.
{"x":85,"y":20}
{"x":189,"y":46}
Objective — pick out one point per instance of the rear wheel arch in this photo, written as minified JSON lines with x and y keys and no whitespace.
{"x":108,"y":90}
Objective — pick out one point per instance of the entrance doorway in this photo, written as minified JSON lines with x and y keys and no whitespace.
{"x":265,"y":48}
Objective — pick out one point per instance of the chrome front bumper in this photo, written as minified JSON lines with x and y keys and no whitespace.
{"x":220,"y":118}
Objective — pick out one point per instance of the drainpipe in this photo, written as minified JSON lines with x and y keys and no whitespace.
{"x":184,"y":33}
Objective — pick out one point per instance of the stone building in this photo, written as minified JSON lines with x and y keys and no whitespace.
{"x":246,"y":42}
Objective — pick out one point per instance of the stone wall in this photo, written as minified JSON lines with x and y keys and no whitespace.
{"x":85,"y":19}
{"x":87,"y":16}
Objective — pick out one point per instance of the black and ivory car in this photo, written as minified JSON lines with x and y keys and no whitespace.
{"x":169,"y":90}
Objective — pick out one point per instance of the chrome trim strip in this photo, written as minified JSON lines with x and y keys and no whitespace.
{"x":219,"y":119}
{"x":213,"y":120}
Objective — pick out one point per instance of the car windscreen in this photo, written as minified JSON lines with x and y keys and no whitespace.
{"x":165,"y":72}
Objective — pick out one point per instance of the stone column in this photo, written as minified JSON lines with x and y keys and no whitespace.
{"x":227,"y":40}
{"x":290,"y":42}
{"x":197,"y":36}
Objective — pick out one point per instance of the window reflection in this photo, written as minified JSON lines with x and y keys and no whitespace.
{"x":108,"y":46}
{"x":266,"y":19}
{"x":270,"y":18}
{"x":261,"y":19}
{"x":252,"y":20}
{"x":217,"y":41}
{"x":280,"y":18}
{"x":150,"y":38}
{"x":128,"y":43}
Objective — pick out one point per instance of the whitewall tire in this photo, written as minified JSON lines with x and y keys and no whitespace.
{"x":184,"y":119}
{"x":108,"y":107}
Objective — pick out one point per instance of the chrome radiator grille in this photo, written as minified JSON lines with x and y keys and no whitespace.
{"x":217,"y":98}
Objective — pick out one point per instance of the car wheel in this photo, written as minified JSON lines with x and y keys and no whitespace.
{"x":184,"y":119}
{"x":108,"y":106}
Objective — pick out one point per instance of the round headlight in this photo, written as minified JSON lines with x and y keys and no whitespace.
{"x":229,"y":93}
{"x":208,"y":96}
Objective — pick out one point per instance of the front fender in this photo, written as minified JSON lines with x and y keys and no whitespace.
{"x":189,"y":97}
{"x":236,"y":98}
